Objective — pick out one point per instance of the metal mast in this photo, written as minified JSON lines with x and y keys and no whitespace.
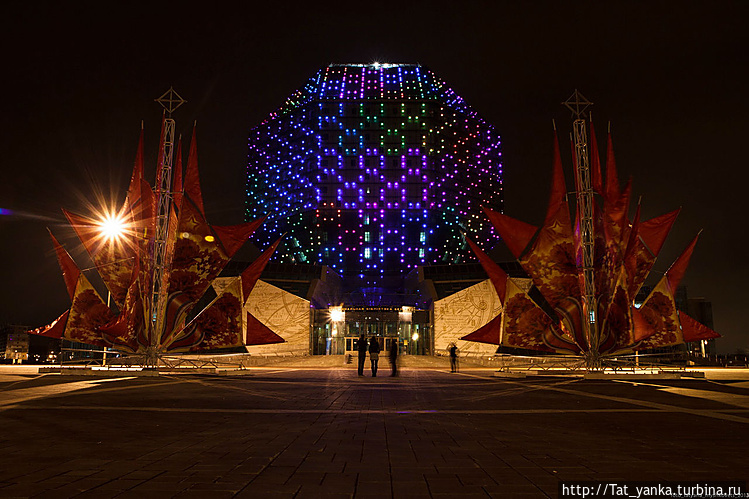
{"x":170,"y":101}
{"x":578,"y":105}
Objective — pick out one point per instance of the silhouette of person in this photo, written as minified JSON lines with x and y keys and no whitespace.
{"x":374,"y":354}
{"x":453,"y":357}
{"x":393,"y":354}
{"x":361,"y":348}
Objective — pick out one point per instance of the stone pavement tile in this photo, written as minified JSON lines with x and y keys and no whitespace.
{"x":178,"y":464}
{"x":544,"y":461}
{"x":350,"y":451}
{"x":475,"y":477}
{"x":342,"y":481}
{"x":119,"y":484}
{"x":145,"y":494}
{"x":110,"y":472}
{"x":218,"y":469}
{"x":153,"y":486}
{"x":410,"y":489}
{"x":171,"y":476}
{"x":410,"y":474}
{"x":533,"y":474}
{"x":550,"y":488}
{"x":236,"y":480}
{"x":323,"y":467}
{"x":252,"y":465}
{"x":159,"y":454}
{"x":217,"y":487}
{"x":91,"y":494}
{"x":142,"y":474}
{"x":75,"y":488}
{"x":708,"y":475}
{"x":203,"y":477}
{"x":402,"y":461}
{"x":202,"y":494}
{"x":349,"y":448}
{"x":381,"y":463}
{"x":448,"y":468}
{"x":22,"y":489}
{"x":68,"y":494}
{"x":289,"y":461}
{"x":516,"y":461}
{"x":512,"y":480}
{"x":504,"y":491}
{"x":304,"y":477}
{"x":272,"y":477}
{"x":432,"y":456}
{"x":314,"y":492}
{"x":88,"y":463}
{"x":58,"y":481}
{"x":33,"y":476}
{"x":372,"y":476}
{"x":446,"y":486}
{"x":404,"y":451}
{"x":471,"y":491}
{"x":493,"y":462}
{"x":502,"y":469}
{"x":254,"y":491}
{"x":441,"y":479}
{"x":575,"y":476}
{"x":80,"y":472}
{"x":373,"y":493}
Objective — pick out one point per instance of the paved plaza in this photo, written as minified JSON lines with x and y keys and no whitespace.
{"x":315,"y":430}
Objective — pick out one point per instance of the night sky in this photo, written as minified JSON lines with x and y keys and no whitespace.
{"x":78,"y":78}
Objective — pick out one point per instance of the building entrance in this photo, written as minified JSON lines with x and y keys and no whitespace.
{"x":335,"y":331}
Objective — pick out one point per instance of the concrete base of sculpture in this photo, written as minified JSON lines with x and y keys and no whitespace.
{"x":99,"y":371}
{"x":509,"y":374}
{"x":633,"y":376}
{"x":132,"y":371}
{"x":607,"y":375}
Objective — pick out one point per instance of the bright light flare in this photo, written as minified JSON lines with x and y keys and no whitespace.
{"x":337,"y":314}
{"x":112,"y":227}
{"x":405,"y":314}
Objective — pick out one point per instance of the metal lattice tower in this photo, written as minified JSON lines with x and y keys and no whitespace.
{"x":578,"y":104}
{"x":170,"y":101}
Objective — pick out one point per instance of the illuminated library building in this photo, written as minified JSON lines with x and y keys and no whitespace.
{"x":372,"y":171}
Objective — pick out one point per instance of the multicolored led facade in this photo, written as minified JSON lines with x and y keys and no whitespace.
{"x":373,"y":170}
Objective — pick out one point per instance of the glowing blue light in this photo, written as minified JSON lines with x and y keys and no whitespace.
{"x":362,"y":125}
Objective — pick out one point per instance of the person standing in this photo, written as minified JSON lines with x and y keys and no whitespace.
{"x":453,"y":358}
{"x":374,"y":354}
{"x":393,"y":353}
{"x":361,"y":347}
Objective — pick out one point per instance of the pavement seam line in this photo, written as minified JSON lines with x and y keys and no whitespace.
{"x":655,"y":405}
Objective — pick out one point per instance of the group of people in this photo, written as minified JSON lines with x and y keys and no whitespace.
{"x":373,"y":347}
